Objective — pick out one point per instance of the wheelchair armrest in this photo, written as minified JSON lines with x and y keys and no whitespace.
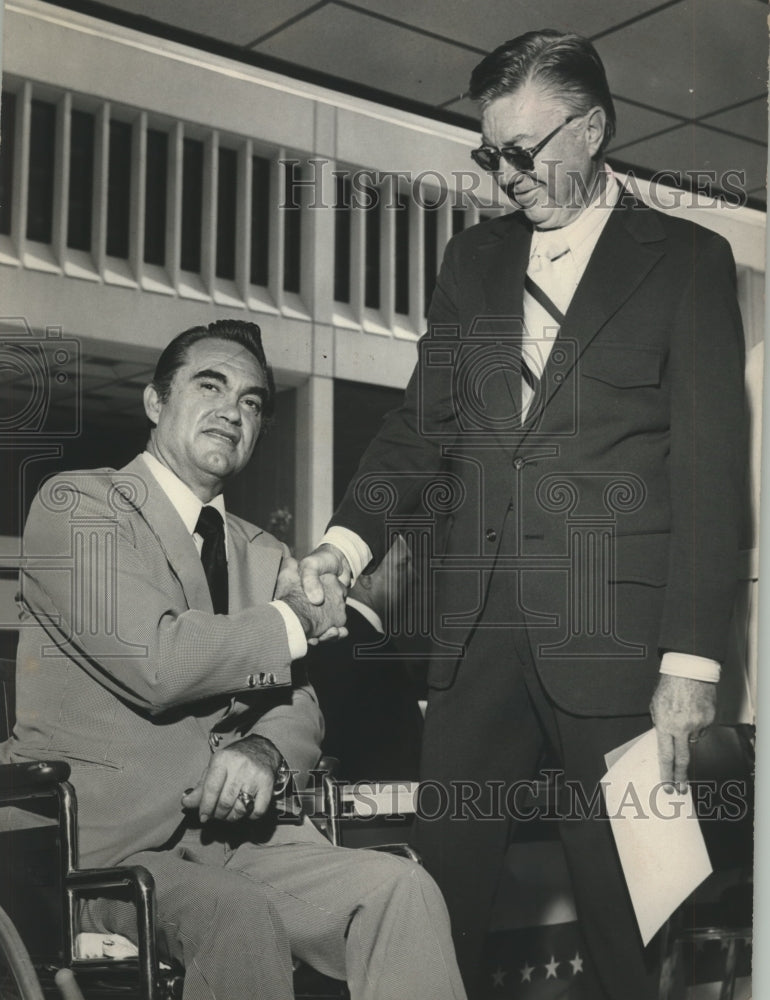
{"x":35,"y":774}
{"x":143,"y":885}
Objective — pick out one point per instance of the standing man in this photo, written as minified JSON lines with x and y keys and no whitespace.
{"x":581,"y":384}
{"x":161,"y":656}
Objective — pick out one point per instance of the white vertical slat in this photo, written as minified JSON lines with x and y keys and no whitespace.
{"x":243,"y":219}
{"x":277,"y":234}
{"x":61,"y":186}
{"x":357,"y":260}
{"x":317,"y":259}
{"x":416,"y":265}
{"x":209,"y":226}
{"x":21,"y":168}
{"x":138,"y":194}
{"x":174,"y":202}
{"x":101,"y":186}
{"x":314,"y":457}
{"x":388,"y":252}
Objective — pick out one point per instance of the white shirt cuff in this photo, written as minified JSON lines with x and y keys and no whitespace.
{"x":697,"y":668}
{"x":352,"y":546}
{"x":294,"y":631}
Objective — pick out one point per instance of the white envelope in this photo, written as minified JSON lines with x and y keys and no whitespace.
{"x":657,"y":834}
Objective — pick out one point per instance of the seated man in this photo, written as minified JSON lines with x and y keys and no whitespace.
{"x":160,"y":654}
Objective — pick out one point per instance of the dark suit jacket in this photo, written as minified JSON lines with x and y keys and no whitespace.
{"x":124,"y":670}
{"x":618,"y":505}
{"x":373,"y":722}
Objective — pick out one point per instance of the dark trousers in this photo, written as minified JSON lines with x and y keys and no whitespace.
{"x":486,"y":733}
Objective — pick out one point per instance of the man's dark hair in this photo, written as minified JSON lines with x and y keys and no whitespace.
{"x":567,"y":65}
{"x":248,"y":335}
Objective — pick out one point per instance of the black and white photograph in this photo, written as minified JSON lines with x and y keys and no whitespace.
{"x":381,"y":409}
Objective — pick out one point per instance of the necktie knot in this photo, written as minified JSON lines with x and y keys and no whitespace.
{"x":209,"y":523}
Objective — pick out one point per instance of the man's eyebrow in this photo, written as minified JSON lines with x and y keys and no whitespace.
{"x":211,"y":373}
{"x":216,"y":376}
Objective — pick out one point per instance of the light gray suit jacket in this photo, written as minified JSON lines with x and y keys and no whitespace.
{"x":123,"y":669}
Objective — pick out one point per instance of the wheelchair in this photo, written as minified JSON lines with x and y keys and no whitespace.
{"x":41,"y":887}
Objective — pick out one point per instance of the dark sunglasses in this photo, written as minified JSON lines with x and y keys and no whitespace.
{"x":488,"y":157}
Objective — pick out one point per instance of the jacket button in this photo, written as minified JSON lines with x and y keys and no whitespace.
{"x":491,"y":535}
{"x":518,"y":463}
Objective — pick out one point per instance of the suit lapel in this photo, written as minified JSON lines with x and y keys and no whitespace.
{"x":501,"y":262}
{"x":627,"y":250}
{"x":252,"y":565}
{"x":152,"y":504}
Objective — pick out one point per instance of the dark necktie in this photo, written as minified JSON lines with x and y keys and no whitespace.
{"x":211,"y":528}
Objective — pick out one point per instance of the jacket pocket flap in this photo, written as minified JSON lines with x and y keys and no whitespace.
{"x":624,"y":367}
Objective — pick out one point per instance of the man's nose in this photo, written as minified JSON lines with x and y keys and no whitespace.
{"x":229,"y":410}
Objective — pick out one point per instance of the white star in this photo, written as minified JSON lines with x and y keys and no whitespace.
{"x":526,"y":973}
{"x":498,"y":976}
{"x":550,"y":969}
{"x":576,"y":963}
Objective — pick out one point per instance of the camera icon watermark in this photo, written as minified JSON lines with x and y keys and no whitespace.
{"x":494,"y":380}
{"x":40,"y":383}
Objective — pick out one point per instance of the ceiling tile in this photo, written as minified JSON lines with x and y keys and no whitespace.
{"x":692,"y":148}
{"x":237,"y":22}
{"x":749,"y":119}
{"x":393,"y":59}
{"x":633,"y":122}
{"x":487,"y":26}
{"x":691,"y":59}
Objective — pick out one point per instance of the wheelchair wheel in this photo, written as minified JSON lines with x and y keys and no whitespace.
{"x":18,"y":980}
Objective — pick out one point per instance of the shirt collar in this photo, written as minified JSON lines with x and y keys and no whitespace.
{"x":184,"y":501}
{"x":576,"y":233}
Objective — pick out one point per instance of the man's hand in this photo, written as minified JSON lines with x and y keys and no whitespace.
{"x":325,"y":620}
{"x":249,"y":766}
{"x":325,"y":559}
{"x":681,"y":709}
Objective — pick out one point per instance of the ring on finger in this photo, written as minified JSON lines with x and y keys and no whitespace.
{"x":693,"y":737}
{"x":246,"y":799}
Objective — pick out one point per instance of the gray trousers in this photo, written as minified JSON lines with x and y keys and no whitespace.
{"x":235,"y":917}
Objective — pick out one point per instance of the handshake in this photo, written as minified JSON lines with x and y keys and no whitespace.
{"x":315,"y":590}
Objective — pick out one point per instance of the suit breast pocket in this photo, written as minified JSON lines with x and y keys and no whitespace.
{"x":622,"y":367}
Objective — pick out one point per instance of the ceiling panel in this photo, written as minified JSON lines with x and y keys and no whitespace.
{"x":749,"y":119}
{"x":691,"y":58}
{"x":238,"y":21}
{"x":460,"y":20}
{"x":634,"y":123}
{"x":692,"y":147}
{"x":394,"y":59}
{"x":668,"y":61}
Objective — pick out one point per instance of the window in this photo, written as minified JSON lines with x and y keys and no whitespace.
{"x":192,"y":205}
{"x":119,"y":189}
{"x":156,"y":181}
{"x":227,"y":194}
{"x":81,"y":192}
{"x":42,"y":149}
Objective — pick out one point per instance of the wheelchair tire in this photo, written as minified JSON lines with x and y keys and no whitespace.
{"x":18,"y":979}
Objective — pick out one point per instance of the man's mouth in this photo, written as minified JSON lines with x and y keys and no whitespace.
{"x":230,"y":436}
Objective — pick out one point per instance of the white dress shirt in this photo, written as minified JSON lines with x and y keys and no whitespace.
{"x":188,"y":506}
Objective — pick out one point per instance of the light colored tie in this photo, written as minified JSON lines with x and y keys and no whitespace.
{"x":548,"y":289}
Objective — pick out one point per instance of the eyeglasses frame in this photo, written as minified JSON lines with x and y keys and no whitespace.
{"x":513,"y":152}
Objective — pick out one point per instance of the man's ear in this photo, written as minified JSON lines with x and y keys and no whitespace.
{"x":596,"y":123}
{"x":152,"y":403}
